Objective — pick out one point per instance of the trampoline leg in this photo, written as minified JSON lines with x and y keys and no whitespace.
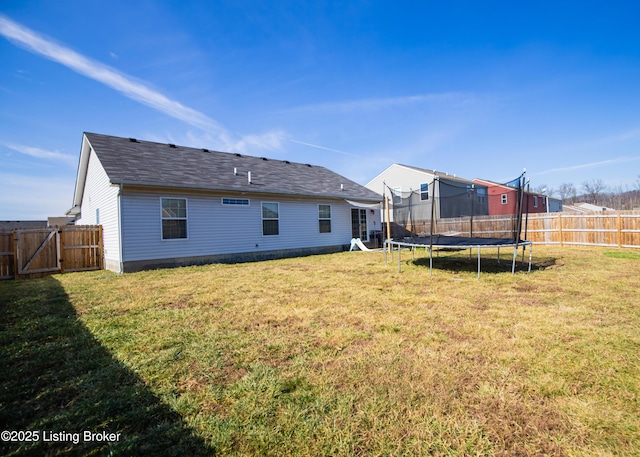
{"x":515,"y":255}
{"x":386,"y":246}
{"x":478,"y":263}
{"x":530,"y":256}
{"x":398,"y":258}
{"x":430,"y":262}
{"x":498,"y":255}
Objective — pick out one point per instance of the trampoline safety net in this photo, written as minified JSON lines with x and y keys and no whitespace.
{"x":453,"y":207}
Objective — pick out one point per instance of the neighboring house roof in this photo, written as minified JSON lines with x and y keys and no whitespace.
{"x":135,"y":162}
{"x":586,"y":208}
{"x":440,"y":174}
{"x":12,"y":225}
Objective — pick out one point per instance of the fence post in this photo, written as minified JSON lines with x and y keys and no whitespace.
{"x":560,"y":227}
{"x":100,"y":249}
{"x":16,"y":253}
{"x":619,"y":231}
{"x":62,"y":232}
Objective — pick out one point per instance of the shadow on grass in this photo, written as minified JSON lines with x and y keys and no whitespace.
{"x":461,"y":262}
{"x":57,"y":379}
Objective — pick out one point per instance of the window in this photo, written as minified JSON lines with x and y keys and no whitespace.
{"x":396,"y":195}
{"x":174,"y":218}
{"x":482,"y":195}
{"x":324,"y":218}
{"x":270,"y":219}
{"x":535,"y":201}
{"x":424,"y":191}
{"x":236,"y":201}
{"x":503,"y":199}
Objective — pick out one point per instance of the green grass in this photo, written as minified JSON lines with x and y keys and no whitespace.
{"x":331,"y":355}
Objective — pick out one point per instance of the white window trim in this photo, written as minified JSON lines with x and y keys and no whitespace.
{"x":503,"y":199}
{"x":424,"y":192}
{"x":275,"y":219}
{"x":325,"y":219}
{"x":535,"y":201}
{"x":186,"y":207}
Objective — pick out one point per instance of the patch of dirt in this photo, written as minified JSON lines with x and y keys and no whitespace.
{"x":180,"y":302}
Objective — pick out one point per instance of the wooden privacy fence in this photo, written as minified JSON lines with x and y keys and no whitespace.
{"x":34,"y":252}
{"x":592,"y":229}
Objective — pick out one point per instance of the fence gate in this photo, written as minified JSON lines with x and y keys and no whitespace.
{"x":34,"y":252}
{"x":37,"y":251}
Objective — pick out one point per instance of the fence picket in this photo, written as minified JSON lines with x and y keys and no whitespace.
{"x":27,"y":253}
{"x":593,"y":229}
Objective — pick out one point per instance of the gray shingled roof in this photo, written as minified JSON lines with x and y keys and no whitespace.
{"x":163,"y":165}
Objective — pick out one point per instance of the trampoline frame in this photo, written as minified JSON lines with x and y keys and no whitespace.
{"x":390,"y":244}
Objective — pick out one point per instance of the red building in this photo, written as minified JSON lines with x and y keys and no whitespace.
{"x":504,"y":199}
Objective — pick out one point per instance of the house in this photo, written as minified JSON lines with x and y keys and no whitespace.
{"x":503,"y":199}
{"x":554,"y":205}
{"x":164,"y":205}
{"x":454,"y":196}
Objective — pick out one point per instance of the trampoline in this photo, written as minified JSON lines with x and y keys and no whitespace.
{"x":451,"y":197}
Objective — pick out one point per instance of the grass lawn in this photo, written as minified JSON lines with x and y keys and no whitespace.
{"x":332,"y":355}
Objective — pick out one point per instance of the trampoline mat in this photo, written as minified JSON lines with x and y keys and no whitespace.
{"x":453,"y":241}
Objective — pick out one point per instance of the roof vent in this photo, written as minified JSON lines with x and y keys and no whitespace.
{"x":308,"y":165}
{"x":264,"y":158}
{"x":235,"y":171}
{"x":172,"y":145}
{"x":341,"y":186}
{"x":249,"y":177}
{"x":286,"y":161}
{"x":205,"y":150}
{"x":133,"y":140}
{"x":238,"y":155}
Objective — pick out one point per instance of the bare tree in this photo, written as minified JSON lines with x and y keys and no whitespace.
{"x":543,"y":189}
{"x":567,"y":192}
{"x":594,"y":189}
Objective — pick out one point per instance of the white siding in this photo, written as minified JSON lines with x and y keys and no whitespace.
{"x":400,"y":176}
{"x":213,"y":228}
{"x":99,"y":195}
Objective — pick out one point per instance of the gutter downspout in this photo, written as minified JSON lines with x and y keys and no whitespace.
{"x":120,"y":230}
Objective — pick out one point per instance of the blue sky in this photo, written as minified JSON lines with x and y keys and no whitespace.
{"x":479,"y":89}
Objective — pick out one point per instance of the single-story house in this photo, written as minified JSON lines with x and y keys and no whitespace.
{"x":454,"y":196}
{"x":164,"y":205}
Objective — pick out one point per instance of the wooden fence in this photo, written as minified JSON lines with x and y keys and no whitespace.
{"x":28,"y":253}
{"x":591,"y":229}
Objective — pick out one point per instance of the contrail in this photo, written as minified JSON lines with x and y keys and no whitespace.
{"x":42,"y":153}
{"x":321,"y":147}
{"x":130,"y":87}
{"x":108,"y":76}
{"x":589,"y":165}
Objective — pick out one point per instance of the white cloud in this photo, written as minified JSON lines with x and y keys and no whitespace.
{"x":217,"y":136}
{"x":270,"y":141}
{"x":43,"y":154}
{"x":624,"y":136}
{"x":127,"y":85}
{"x":372,"y":104}
{"x":599,"y":164}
